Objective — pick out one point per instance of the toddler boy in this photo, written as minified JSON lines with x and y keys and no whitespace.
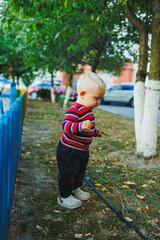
{"x":79,"y":130}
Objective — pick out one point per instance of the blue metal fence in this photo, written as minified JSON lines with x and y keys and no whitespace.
{"x":10,"y":146}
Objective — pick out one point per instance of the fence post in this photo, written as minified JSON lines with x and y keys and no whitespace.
{"x":5,"y":121}
{"x":13,"y":95}
{"x":2,"y":180}
{"x":1,"y":107}
{"x":10,"y":116}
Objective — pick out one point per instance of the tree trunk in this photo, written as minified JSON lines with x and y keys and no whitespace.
{"x":53,"y":99}
{"x":68,"y":93}
{"x":142,"y":28}
{"x":149,"y":126}
{"x":138,"y":114}
{"x":17,"y":80}
{"x":139,"y":87}
{"x":96,"y":61}
{"x":68,"y":90}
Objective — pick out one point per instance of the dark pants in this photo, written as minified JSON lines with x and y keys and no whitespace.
{"x":72,"y":165}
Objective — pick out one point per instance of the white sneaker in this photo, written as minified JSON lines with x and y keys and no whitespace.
{"x":80,"y":194}
{"x":69,"y":202}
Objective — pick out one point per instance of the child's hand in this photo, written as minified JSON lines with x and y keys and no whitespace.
{"x":100,"y":133}
{"x":86,"y":125}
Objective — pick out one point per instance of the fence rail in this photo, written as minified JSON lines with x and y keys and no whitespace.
{"x":11,"y":124}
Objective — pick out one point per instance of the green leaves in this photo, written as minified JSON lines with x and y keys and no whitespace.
{"x":63,"y":34}
{"x":65,"y":3}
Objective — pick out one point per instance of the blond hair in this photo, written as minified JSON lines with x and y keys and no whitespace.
{"x":90,"y":80}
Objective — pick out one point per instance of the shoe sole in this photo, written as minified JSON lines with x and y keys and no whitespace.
{"x":71,"y":207}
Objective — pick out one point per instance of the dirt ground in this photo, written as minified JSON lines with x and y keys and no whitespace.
{"x":35,"y":214}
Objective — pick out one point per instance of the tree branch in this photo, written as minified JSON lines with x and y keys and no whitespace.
{"x":136,"y":22}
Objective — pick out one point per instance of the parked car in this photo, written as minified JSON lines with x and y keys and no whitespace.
{"x":34,"y":90}
{"x":120,"y":93}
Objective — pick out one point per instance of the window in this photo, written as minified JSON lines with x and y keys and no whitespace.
{"x":116,"y":88}
{"x":126,"y":87}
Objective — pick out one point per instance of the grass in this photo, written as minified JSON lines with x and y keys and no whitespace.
{"x":112,"y":162}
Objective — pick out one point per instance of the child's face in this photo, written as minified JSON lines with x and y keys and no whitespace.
{"x":91,"y":98}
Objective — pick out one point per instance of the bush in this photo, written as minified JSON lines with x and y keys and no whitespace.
{"x":44,"y":93}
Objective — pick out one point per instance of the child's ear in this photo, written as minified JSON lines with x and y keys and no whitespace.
{"x":82,"y":93}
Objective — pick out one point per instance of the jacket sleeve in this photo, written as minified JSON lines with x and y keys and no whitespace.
{"x":96,"y":132}
{"x":70,"y":123}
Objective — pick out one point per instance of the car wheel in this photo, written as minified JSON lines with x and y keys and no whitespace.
{"x":34,"y":95}
{"x":132,"y":103}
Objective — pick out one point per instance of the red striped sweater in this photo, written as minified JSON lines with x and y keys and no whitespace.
{"x":73,"y":135}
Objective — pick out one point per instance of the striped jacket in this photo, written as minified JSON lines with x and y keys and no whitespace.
{"x":73,"y":135}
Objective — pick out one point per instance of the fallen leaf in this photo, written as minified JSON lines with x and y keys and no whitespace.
{"x":104,"y":189}
{"x":108,"y":209}
{"x":37,"y":145}
{"x":125,"y":186}
{"x":39,"y":227}
{"x":98,"y":184}
{"x":144,"y":185}
{"x":125,"y":165}
{"x":103,"y":211}
{"x":99,"y":148}
{"x":155,"y":220}
{"x":140,"y":197}
{"x":115,"y":159}
{"x":87,"y":234}
{"x":139,"y":209}
{"x":77,"y":235}
{"x":28,"y":153}
{"x":147,"y":208}
{"x":56,"y":211}
{"x":129,"y":219}
{"x":151,"y":181}
{"x":103,"y":180}
{"x":130,"y":183}
{"x":110,"y":184}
